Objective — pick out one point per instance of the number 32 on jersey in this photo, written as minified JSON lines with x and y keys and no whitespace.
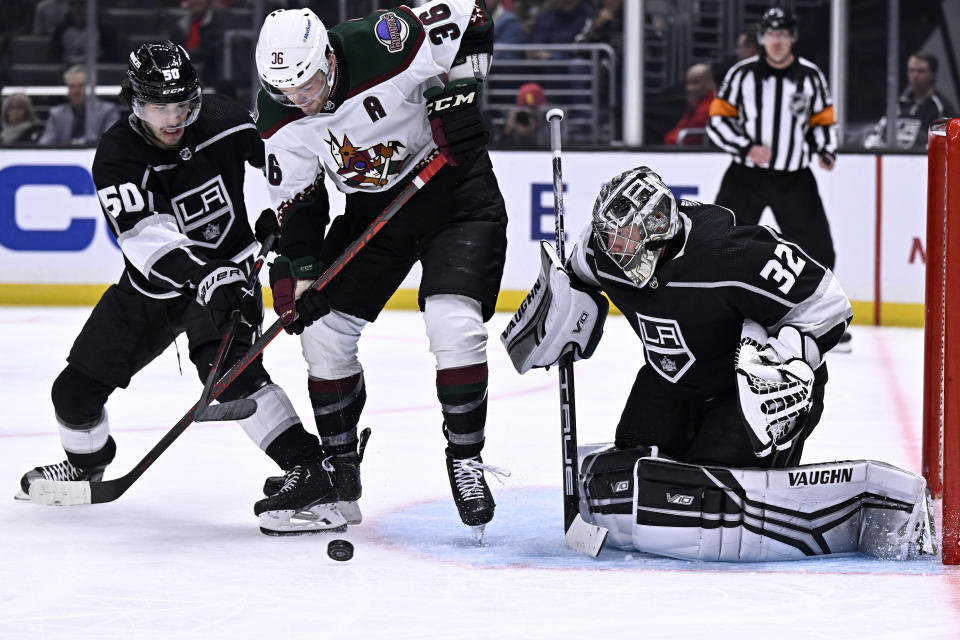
{"x":784,"y":268}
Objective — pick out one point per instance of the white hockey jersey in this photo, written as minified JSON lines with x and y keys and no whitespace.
{"x":373,"y":129}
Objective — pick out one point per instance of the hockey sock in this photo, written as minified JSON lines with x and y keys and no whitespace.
{"x":100,"y":458}
{"x":337,"y":405}
{"x":463,"y":399}
{"x":294,"y":446}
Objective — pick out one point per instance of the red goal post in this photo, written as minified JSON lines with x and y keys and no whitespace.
{"x":941,"y":341}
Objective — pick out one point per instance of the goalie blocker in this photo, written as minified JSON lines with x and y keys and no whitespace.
{"x":693,"y":512}
{"x":554,"y":319}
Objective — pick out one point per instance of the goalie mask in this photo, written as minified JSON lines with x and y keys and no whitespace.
{"x":292,"y":54}
{"x":162,"y":85}
{"x":633,"y":218}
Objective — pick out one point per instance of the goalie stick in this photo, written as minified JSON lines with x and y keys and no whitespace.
{"x":72,"y":493}
{"x":580,"y":535}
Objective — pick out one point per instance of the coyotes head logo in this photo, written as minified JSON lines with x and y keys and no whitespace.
{"x":368,"y":168}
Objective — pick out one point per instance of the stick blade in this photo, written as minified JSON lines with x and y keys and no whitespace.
{"x":226,"y":411}
{"x":585,"y":537}
{"x":60,"y":493}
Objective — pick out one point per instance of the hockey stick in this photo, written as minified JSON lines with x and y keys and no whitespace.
{"x":242,"y":407}
{"x":67,"y":493}
{"x":580,"y":535}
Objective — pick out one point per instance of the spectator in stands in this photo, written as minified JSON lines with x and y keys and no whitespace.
{"x":701,"y":89}
{"x":919,"y":105}
{"x":747,"y":45}
{"x":507,"y":29}
{"x":524,"y":124}
{"x":200,"y":32}
{"x":68,"y":43}
{"x":559,"y":23}
{"x":20,"y":122}
{"x":67,"y":123}
{"x":48,"y":15}
{"x":606,"y":26}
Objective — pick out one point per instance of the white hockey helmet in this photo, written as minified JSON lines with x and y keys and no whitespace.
{"x":633,"y":218}
{"x":291,"y":50}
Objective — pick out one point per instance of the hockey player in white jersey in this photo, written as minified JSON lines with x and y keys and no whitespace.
{"x":368,"y":102}
{"x":735,"y":322}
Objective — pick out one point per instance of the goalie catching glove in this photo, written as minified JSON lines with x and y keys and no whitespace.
{"x":297,"y":304}
{"x":774,"y":384}
{"x":554,"y":319}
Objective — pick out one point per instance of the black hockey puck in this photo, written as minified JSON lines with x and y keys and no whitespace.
{"x":340,"y":550}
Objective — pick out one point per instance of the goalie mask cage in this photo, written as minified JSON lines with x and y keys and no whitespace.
{"x":941,"y":375}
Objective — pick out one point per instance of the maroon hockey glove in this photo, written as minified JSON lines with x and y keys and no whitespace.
{"x":455,"y":119}
{"x":291,"y":280}
{"x":266,"y":225}
{"x":222,"y":288}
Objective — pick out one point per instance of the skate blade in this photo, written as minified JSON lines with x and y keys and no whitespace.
{"x":21,"y":496}
{"x":350,"y":511}
{"x":320,"y":518}
{"x":477,"y":530}
{"x":60,"y":493}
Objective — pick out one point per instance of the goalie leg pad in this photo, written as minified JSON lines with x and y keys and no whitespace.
{"x":750,"y":515}
{"x":554,"y":319}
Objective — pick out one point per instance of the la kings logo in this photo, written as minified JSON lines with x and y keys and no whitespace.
{"x":205,"y":213}
{"x":667,"y":351}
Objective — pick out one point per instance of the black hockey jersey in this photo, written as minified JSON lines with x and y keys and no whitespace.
{"x":690,"y":314}
{"x":171,"y":211}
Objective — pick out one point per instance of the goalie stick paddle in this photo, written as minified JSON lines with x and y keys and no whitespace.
{"x":580,"y":535}
{"x":71,"y":493}
{"x":242,"y":407}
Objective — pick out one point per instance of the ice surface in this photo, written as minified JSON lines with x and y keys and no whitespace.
{"x":180,"y":555}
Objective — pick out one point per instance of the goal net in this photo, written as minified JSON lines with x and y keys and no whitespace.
{"x":941,"y":375}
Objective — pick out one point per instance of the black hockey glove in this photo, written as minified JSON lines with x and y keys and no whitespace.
{"x":294,"y":301}
{"x":266,"y":224}
{"x":221,"y":289}
{"x":455,"y":119}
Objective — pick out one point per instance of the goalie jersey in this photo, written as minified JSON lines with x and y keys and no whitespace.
{"x":690,"y":314}
{"x":172,"y":211}
{"x":373,"y":130}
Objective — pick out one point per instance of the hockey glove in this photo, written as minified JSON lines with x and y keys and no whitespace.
{"x":266,"y":225}
{"x":221,"y":289}
{"x":295,"y":302}
{"x":772,"y":392}
{"x":455,"y":119}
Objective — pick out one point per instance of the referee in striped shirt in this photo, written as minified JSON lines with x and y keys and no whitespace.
{"x":772,"y":113}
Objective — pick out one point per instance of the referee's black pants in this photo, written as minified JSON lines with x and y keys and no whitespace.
{"x":794,"y":199}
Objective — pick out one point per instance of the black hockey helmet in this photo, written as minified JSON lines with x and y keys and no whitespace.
{"x":161,"y":73}
{"x":777,"y":18}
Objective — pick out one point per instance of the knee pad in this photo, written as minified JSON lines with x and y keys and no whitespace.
{"x":77,"y":398}
{"x":330,"y":346}
{"x":458,"y":337}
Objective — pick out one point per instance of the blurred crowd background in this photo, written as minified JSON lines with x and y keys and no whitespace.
{"x":61,"y":62}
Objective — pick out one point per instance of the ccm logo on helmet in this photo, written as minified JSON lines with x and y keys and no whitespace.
{"x":453,"y":101}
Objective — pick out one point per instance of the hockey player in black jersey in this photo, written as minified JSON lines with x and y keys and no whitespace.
{"x":170,"y":182}
{"x":735,"y":322}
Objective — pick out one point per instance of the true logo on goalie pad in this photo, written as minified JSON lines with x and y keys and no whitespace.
{"x":621,"y":486}
{"x":667,"y":351}
{"x":679,"y":498}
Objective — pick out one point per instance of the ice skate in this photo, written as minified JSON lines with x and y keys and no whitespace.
{"x":345,"y":477}
{"x":305,"y":503}
{"x":35,"y":484}
{"x":471,"y":493}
